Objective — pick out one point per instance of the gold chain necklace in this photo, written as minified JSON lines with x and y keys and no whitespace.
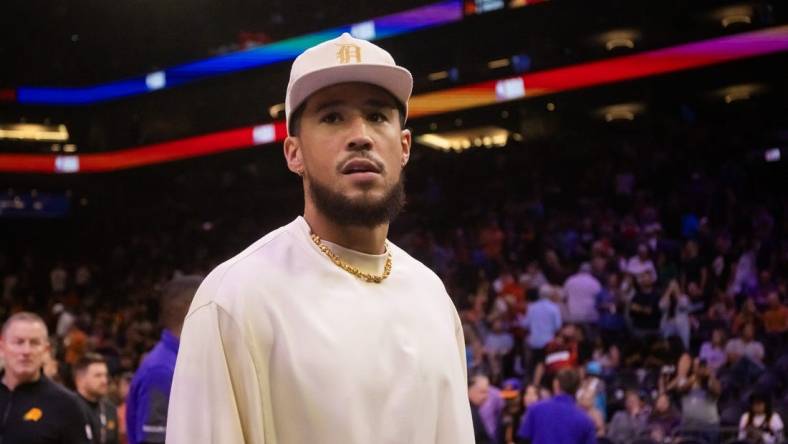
{"x":371,"y":278}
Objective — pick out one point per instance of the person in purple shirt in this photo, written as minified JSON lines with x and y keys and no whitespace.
{"x":558,"y":420}
{"x":149,"y":394}
{"x":491,"y":409}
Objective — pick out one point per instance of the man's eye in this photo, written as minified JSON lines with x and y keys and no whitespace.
{"x":377,"y":117}
{"x":331,"y":118}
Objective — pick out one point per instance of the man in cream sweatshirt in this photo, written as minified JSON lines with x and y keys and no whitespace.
{"x":323,"y":331}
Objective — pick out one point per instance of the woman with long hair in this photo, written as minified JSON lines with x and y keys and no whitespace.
{"x":761,"y":425}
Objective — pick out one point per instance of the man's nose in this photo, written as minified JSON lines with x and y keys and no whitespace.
{"x":359,"y":135}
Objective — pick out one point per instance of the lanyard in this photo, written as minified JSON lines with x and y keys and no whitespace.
{"x":103,"y":419}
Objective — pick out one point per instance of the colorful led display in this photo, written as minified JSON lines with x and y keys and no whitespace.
{"x":432,"y":15}
{"x":651,"y":63}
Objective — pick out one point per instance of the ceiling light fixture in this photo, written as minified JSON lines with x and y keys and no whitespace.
{"x":440,"y":75}
{"x":275,"y":111}
{"x":735,"y":93}
{"x":619,"y":43}
{"x":498,"y":63}
{"x":734,"y":15}
{"x":735,"y":19}
{"x":619,"y":38}
{"x":486,"y":136}
{"x":32,"y":131}
{"x":622,"y":111}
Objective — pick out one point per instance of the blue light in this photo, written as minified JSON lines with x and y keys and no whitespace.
{"x":435,"y":14}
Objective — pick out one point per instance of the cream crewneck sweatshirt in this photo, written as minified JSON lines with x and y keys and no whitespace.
{"x":282,"y":346}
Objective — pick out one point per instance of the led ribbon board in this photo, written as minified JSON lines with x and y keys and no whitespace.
{"x":284,"y":50}
{"x":651,"y":63}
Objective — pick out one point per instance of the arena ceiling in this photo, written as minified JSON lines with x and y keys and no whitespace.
{"x":76,"y":45}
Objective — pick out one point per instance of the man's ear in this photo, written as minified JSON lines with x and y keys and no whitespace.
{"x":406,"y":140}
{"x":293,"y":155}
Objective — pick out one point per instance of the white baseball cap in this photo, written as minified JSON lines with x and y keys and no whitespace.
{"x":345,"y":59}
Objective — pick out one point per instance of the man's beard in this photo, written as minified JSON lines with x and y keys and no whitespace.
{"x":360,"y":211}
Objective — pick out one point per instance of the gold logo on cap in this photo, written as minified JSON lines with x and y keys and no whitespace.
{"x":348,"y":51}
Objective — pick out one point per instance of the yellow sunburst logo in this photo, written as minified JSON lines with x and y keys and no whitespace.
{"x":34,"y":414}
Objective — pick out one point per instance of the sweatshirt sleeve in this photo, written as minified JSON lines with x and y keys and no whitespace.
{"x":455,"y":425}
{"x":215,"y":395}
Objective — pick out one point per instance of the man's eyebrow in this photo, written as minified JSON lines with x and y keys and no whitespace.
{"x":378,"y":103}
{"x":328,"y":104}
{"x":375,"y":103}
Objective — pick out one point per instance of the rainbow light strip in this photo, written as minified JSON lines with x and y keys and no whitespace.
{"x":651,"y":63}
{"x":428,"y":16}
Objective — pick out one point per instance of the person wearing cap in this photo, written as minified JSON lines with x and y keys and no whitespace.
{"x":322,"y":330}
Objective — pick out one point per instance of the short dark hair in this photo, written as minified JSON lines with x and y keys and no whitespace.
{"x":474,"y":378}
{"x":295,"y":117}
{"x":176,"y":297}
{"x":568,"y":381}
{"x":87,"y":360}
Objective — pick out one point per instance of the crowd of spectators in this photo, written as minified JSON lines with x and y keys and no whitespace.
{"x":664,"y":286}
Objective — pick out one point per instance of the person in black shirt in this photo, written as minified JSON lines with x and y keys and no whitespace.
{"x":644,"y":311}
{"x":91,"y":380}
{"x":33,"y":409}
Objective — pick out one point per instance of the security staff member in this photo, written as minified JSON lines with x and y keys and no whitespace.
{"x":33,"y":409}
{"x":92,"y":382}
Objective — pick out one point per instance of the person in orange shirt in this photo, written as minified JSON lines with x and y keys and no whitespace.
{"x":123,"y":387}
{"x":76,"y":343}
{"x":775,"y":322}
{"x":775,"y":318}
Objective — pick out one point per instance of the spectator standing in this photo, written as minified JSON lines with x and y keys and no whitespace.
{"x":478,"y":393}
{"x":91,"y":379}
{"x":581,"y":290}
{"x":775,"y":319}
{"x":542,"y":320}
{"x":148,"y":398}
{"x":699,"y":404}
{"x":644,"y":312}
{"x":675,"y":306}
{"x":559,"y":420}
{"x":58,"y":278}
{"x":641,"y":263}
{"x":36,"y":410}
{"x":610,"y":305}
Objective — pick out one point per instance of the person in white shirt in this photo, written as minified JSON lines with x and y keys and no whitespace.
{"x":323,"y":331}
{"x":641,"y":263}
{"x":745,"y":346}
{"x":58,"y":278}
{"x":760,"y":424}
{"x":581,"y":290}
